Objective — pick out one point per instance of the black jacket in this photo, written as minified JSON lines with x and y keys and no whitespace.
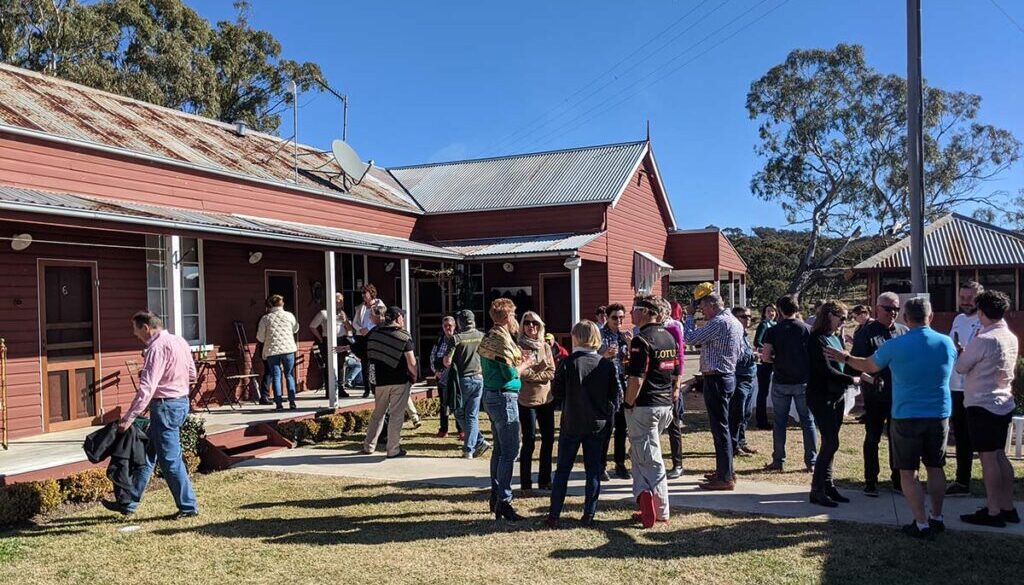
{"x":588,"y":387}
{"x":127,"y":453}
{"x":826,"y":380}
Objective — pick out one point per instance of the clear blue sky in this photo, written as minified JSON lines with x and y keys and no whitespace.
{"x":432,"y":81}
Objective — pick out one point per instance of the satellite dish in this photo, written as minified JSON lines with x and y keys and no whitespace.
{"x":349,"y":161}
{"x":21,"y":241}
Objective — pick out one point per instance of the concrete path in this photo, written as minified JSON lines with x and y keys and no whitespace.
{"x":750,"y":496}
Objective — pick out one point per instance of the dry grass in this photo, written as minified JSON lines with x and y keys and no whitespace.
{"x":698,"y":451}
{"x":261,"y":528}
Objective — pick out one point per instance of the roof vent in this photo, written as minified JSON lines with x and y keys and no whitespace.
{"x":241,"y":128}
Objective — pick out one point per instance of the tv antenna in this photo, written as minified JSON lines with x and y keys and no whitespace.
{"x":344,"y":105}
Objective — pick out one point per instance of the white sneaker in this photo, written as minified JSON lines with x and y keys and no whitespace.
{"x":467,"y":454}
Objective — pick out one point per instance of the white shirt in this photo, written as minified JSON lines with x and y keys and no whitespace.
{"x":320,"y":320}
{"x":363,"y":320}
{"x":964,"y":328}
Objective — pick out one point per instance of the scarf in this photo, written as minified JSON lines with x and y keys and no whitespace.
{"x":499,"y":346}
{"x":529,"y":343}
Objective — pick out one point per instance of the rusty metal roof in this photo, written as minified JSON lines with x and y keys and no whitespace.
{"x":592,"y":174}
{"x":952,"y":241}
{"x":165,"y":219}
{"x":52,"y":106}
{"x":509,"y":247}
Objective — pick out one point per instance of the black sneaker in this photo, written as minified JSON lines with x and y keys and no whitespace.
{"x":674,"y":473}
{"x":956,"y":489}
{"x":913,"y":531}
{"x":116,"y":507}
{"x":605,"y":476}
{"x":622,"y":473}
{"x":186,"y":515}
{"x":983,"y":518}
{"x":871,"y":490}
{"x":343,"y":394}
{"x":1010,"y":515}
{"x":481,"y":449}
{"x":936,"y":525}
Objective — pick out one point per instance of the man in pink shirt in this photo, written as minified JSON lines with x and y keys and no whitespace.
{"x":164,"y":381}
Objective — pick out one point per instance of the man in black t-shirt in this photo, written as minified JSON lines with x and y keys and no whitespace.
{"x":392,"y":371}
{"x":653,"y":355}
{"x":877,"y":388}
{"x":785,"y":346}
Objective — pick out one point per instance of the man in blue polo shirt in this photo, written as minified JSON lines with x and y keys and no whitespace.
{"x":921,"y":362}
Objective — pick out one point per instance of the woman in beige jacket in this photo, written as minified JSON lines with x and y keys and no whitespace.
{"x":536,"y":403}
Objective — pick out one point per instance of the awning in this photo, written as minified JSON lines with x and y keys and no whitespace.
{"x":520,"y":246}
{"x":170,"y":218}
{"x":648,"y":269}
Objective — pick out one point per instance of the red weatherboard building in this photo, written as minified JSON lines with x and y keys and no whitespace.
{"x":125,"y":205}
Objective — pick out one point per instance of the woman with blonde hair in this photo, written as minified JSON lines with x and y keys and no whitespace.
{"x":502,"y":362}
{"x":276,"y":332}
{"x":536,"y":404}
{"x":588,"y":387}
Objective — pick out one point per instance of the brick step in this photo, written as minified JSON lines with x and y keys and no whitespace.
{"x":224,"y":449}
{"x":238,"y":458}
{"x":237,"y":441}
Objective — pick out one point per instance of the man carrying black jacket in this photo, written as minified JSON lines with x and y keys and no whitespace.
{"x":877,"y":388}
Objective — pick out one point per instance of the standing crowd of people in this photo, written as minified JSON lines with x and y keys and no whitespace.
{"x":618,"y":382}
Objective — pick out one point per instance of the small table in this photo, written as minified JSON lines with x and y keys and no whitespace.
{"x":215,"y":363}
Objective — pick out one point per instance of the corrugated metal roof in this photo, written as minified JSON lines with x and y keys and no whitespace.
{"x":955,"y":240}
{"x":578,"y":175}
{"x":658,"y":262}
{"x":46,"y":104}
{"x":33,"y":201}
{"x":520,"y":245}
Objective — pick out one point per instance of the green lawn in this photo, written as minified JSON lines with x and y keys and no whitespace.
{"x":263,"y":528}
{"x":698,"y":451}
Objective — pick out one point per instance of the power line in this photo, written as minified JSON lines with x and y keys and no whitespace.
{"x":567,"y":102}
{"x":630,"y":92}
{"x":1007,"y":15}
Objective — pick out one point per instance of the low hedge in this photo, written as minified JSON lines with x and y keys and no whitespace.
{"x":1018,"y":386}
{"x":22,"y":501}
{"x":427,"y":407}
{"x":88,"y":486}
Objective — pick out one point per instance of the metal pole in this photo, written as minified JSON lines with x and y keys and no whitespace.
{"x":915,"y":148}
{"x":295,"y":128}
{"x":344,"y":119}
{"x":3,"y":387}
{"x":330,"y":328}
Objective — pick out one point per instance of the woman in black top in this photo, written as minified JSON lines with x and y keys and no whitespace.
{"x":826,"y":389}
{"x":769,"y":316}
{"x":587,"y":386}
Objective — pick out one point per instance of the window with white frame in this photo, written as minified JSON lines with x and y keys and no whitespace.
{"x":193,"y":318}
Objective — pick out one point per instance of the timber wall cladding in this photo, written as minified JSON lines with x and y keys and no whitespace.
{"x":35,"y":164}
{"x":236,"y":291}
{"x":586,"y":218}
{"x":637,"y":222}
{"x":697,"y":250}
{"x":122,"y":291}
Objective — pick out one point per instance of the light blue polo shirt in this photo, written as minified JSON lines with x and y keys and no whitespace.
{"x":921,"y":362}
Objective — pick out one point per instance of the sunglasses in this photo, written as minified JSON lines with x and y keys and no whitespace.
{"x":889,"y":308}
{"x":616,"y":317}
{"x":531,"y":323}
{"x":841,"y":317}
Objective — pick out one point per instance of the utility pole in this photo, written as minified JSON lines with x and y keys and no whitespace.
{"x":915,"y":148}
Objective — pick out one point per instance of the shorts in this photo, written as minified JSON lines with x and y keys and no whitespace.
{"x":988,"y":431}
{"x":919,"y":440}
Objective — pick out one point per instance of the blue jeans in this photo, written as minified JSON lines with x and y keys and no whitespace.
{"x":783,"y":396}
{"x":276,"y":363}
{"x":718,"y":391}
{"x":165,"y":420}
{"x":472,"y":392}
{"x":503,"y":409}
{"x":353,"y":372}
{"x":740,"y":406}
{"x":593,"y":464}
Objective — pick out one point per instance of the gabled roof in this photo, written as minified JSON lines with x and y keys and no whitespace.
{"x":955,"y":240}
{"x":162,"y":218}
{"x":49,"y":107}
{"x":592,"y":174}
{"x":518,"y":246}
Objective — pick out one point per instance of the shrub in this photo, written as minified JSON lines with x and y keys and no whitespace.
{"x":88,"y":486}
{"x":428,"y":406}
{"x":1018,"y":386}
{"x":332,"y":426}
{"x":193,"y":429}
{"x":299,"y":431}
{"x":22,"y":501}
{"x":362,"y":419}
{"x":350,"y":422}
{"x":192,"y":462}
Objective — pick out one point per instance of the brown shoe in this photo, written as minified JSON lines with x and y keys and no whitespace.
{"x":749,"y":450}
{"x":717,"y":485}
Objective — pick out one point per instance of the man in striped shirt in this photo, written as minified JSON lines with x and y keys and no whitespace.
{"x":721,"y":341}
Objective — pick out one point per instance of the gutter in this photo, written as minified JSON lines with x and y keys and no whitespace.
{"x":172,"y":224}
{"x":194,"y":167}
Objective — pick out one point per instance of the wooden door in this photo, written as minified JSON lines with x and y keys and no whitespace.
{"x":431,"y":305}
{"x":555,"y":303}
{"x":69,"y":344}
{"x":282,"y":282}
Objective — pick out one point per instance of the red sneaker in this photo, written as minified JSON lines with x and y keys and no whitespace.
{"x":647,"y":514}
{"x":637,"y":517}
{"x":462,"y":436}
{"x":442,"y":434}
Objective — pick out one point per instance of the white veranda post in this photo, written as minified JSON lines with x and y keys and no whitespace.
{"x":173,"y":254}
{"x":573,"y":265}
{"x":407,"y":297}
{"x":330,"y":327}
